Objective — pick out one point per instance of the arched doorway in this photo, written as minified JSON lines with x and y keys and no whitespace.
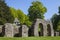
{"x":48,"y":30}
{"x":40,"y":29}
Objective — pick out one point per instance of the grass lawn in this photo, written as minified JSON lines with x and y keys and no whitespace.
{"x":30,"y":38}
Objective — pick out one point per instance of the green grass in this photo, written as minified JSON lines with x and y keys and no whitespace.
{"x":30,"y":38}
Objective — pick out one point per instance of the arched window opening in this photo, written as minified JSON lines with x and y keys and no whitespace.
{"x":40,"y":29}
{"x":49,"y":30}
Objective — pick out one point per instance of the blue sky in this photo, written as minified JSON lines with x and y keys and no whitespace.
{"x":51,"y":5}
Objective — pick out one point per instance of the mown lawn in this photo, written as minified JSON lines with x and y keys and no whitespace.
{"x":30,"y":38}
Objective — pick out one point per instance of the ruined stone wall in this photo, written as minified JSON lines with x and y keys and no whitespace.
{"x":46,"y":28}
{"x":12,"y":30}
{"x":34,"y":28}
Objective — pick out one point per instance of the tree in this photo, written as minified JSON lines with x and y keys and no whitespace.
{"x":27,"y":22}
{"x":13,"y":12}
{"x":21,"y":16}
{"x":56,"y":21}
{"x":59,"y":10}
{"x":36,"y":10}
{"x":2,"y":0}
{"x":5,"y":14}
{"x":58,"y":26}
{"x":24,"y":19}
{"x":18,"y":14}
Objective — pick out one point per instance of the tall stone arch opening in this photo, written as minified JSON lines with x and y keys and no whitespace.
{"x":35,"y":26}
{"x":48,"y":30}
{"x":40,"y":29}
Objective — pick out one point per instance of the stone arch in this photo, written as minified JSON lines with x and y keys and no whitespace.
{"x":50,"y":27}
{"x":48,"y":30}
{"x":41,"y":29}
{"x":34,"y":27}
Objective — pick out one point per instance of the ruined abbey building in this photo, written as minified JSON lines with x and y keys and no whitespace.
{"x":17,"y":30}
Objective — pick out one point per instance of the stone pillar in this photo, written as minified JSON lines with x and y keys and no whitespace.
{"x":52,"y":30}
{"x":44,"y":30}
{"x":23,"y":31}
{"x":9,"y":30}
{"x":35,"y":28}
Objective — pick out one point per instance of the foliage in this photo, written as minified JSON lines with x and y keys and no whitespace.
{"x":13,"y":12}
{"x":2,"y":21}
{"x":56,"y":21}
{"x":36,"y":10}
{"x":21,"y":16}
{"x":59,"y":10}
{"x":58,"y":26}
{"x":24,"y":19}
{"x":27,"y":22}
{"x":5,"y":15}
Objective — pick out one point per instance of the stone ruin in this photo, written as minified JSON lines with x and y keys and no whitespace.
{"x":17,"y":30}
{"x":9,"y":30}
{"x":45,"y":26}
{"x":23,"y":31}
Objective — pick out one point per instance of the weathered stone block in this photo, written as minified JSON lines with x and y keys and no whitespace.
{"x":23,"y":31}
{"x":9,"y":30}
{"x":16,"y":30}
